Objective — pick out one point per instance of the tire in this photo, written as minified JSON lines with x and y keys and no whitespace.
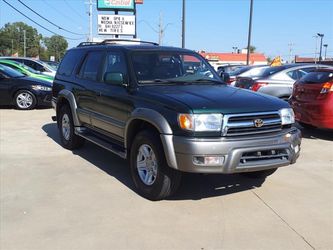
{"x":259,"y":174}
{"x":68,"y":138}
{"x":25,"y":100}
{"x":306,"y":126}
{"x":154,"y":180}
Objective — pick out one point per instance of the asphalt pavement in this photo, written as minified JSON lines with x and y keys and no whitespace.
{"x":52,"y":198}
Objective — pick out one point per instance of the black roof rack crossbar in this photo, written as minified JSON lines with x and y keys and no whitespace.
{"x":106,"y":41}
{"x":87,"y":44}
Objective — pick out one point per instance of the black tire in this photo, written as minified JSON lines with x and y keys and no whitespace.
{"x":259,"y":174}
{"x":167,"y":180}
{"x":25,"y":100}
{"x":306,"y":126}
{"x":71,"y":140}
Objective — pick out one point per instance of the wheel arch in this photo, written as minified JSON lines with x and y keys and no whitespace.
{"x":65,"y":97}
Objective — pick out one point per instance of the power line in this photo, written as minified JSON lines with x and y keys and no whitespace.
{"x":48,"y":20}
{"x":73,"y":9}
{"x":38,"y":23}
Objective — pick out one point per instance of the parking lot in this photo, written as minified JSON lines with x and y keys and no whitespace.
{"x":52,"y":198}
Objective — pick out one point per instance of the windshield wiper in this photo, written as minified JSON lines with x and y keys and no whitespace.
{"x":208,"y":80}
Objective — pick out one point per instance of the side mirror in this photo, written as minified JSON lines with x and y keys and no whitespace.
{"x":115,"y":78}
{"x":225,"y":77}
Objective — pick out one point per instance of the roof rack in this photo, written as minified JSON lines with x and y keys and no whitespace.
{"x":87,"y":44}
{"x":106,"y":41}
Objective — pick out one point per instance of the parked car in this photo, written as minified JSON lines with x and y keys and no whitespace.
{"x":22,"y":91}
{"x":26,"y":70}
{"x":312,"y":99}
{"x":35,"y":64}
{"x":54,"y":65}
{"x":239,"y":71}
{"x":140,"y":102}
{"x":228,"y":68}
{"x":276,"y":81}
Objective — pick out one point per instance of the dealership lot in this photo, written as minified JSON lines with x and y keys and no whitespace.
{"x":52,"y":198}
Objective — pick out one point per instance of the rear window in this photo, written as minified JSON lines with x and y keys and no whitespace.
{"x":69,"y":62}
{"x":317,"y":77}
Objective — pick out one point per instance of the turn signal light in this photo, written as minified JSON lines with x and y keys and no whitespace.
{"x":327,"y":87}
{"x":258,"y":85}
{"x":185,"y":121}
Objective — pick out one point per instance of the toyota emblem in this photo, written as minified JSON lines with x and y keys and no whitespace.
{"x":258,"y":123}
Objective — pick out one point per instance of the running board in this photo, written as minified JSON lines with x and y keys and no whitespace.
{"x":100,"y":142}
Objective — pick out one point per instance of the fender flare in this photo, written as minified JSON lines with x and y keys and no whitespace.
{"x":162,"y":125}
{"x":66,"y":94}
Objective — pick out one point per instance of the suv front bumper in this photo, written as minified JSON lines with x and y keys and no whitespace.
{"x":248,"y":154}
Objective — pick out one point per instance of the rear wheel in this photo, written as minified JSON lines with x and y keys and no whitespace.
{"x":152,"y":177}
{"x":259,"y":174}
{"x":25,"y":100}
{"x":68,"y":138}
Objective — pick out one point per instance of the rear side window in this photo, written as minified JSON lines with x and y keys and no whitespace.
{"x":91,"y":66}
{"x":318,"y":77}
{"x":69,"y":62}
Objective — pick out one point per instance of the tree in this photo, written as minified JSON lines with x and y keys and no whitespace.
{"x":12,"y":39}
{"x":56,"y":46}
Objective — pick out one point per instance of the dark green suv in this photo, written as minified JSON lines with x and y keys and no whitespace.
{"x":167,"y":111}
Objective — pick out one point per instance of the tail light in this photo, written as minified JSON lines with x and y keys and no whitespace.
{"x":327,"y":87}
{"x":256,"y":86}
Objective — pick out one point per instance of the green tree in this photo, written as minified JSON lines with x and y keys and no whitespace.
{"x":56,"y":46}
{"x":12,"y":39}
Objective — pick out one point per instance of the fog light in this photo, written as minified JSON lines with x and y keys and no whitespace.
{"x":208,"y":160}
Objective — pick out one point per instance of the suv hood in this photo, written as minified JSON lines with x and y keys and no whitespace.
{"x":216,"y":98}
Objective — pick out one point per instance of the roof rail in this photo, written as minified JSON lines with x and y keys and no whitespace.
{"x":87,"y":44}
{"x":106,"y":41}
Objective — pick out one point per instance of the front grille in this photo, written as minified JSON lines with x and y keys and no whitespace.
{"x":254,"y":123}
{"x":263,"y":156}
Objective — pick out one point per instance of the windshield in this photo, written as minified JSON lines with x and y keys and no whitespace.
{"x":271,"y":71}
{"x":171,"y":67}
{"x":253,"y":72}
{"x":10,"y":72}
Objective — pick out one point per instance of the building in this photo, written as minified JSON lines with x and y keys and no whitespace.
{"x":219,"y":59}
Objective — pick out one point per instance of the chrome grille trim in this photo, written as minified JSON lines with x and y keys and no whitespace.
{"x":243,"y":124}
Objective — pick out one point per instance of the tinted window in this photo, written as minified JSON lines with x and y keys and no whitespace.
{"x":114,"y":63}
{"x":317,"y":77}
{"x":91,"y":66}
{"x":293,"y":74}
{"x":271,"y":71}
{"x":69,"y":62}
{"x":10,"y":72}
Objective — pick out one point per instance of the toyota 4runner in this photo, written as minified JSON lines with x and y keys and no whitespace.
{"x":167,"y":111}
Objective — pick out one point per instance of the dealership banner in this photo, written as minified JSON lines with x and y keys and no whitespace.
{"x":115,"y":5}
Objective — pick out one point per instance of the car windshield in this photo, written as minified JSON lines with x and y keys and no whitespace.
{"x":253,"y":72}
{"x":164,"y":67}
{"x":240,"y":70}
{"x":270,"y":71}
{"x":10,"y":72}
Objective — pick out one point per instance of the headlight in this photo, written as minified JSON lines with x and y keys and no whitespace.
{"x":200,"y":122}
{"x":287,"y":116}
{"x":40,"y":87}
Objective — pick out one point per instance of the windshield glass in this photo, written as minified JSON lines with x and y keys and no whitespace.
{"x":171,"y":67}
{"x":257,"y":71}
{"x":10,"y":72}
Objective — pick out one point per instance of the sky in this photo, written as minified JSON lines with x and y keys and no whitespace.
{"x":211,"y":25}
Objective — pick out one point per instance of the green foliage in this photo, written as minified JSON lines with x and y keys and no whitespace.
{"x":56,"y":46}
{"x":12,"y":42}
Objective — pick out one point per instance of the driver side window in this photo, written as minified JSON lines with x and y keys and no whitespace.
{"x":114,"y":68}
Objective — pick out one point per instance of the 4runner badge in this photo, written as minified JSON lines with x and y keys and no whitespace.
{"x":258,"y":123}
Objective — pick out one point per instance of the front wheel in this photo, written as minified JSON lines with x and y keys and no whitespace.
{"x":68,"y":138}
{"x":152,"y":177}
{"x":25,"y":100}
{"x":259,"y":174}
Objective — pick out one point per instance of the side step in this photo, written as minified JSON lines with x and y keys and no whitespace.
{"x":100,"y":142}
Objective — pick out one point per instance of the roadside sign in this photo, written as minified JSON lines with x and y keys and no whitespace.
{"x":138,"y":1}
{"x":123,"y":5}
{"x":116,"y":25}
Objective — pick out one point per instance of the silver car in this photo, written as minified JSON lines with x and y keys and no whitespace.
{"x":276,"y":81}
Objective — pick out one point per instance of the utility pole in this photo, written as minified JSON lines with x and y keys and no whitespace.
{"x":249,"y":35}
{"x":90,"y":21}
{"x":316,"y":50}
{"x":160,"y":30}
{"x":290,"y":51}
{"x":24,"y":43}
{"x":183,"y":25}
{"x":325,"y":46}
{"x":321,"y":45}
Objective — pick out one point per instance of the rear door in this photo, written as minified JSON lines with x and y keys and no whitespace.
{"x":5,"y":85}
